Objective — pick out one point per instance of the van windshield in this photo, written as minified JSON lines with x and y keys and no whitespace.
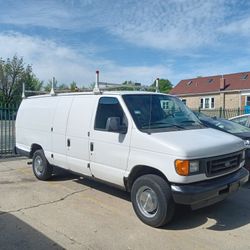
{"x":160,"y":113}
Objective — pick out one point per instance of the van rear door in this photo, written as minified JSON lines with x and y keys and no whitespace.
{"x":109,"y":150}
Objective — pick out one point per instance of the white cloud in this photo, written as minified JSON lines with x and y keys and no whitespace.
{"x":178,"y":27}
{"x":51,"y":59}
{"x":239,"y":27}
{"x":158,"y":24}
{"x":170,"y":24}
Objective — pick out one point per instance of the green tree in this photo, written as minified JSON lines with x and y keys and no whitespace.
{"x":73,"y":86}
{"x":63,"y":87}
{"x":13,"y":73}
{"x":48,"y":86}
{"x":128,"y":83}
{"x":91,"y":85}
{"x":164,"y":85}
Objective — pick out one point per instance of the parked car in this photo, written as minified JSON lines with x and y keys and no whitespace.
{"x":231,"y":128}
{"x":149,"y":144}
{"x":244,"y":120}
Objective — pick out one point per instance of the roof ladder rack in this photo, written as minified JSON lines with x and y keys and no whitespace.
{"x":96,"y":90}
{"x":157,"y":86}
{"x":52,"y":91}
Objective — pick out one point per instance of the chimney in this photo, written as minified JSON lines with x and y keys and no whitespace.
{"x":222,"y":83}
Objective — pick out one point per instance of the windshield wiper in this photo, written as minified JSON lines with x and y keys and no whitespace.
{"x":191,"y":122}
{"x":161,"y":125}
{"x":188,"y":121}
{"x":177,"y":126}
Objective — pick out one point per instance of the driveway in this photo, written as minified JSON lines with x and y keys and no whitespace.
{"x":70,"y":212}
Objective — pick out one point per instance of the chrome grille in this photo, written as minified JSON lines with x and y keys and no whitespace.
{"x":223,"y":164}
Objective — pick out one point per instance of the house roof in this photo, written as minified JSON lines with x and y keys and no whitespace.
{"x":236,"y":81}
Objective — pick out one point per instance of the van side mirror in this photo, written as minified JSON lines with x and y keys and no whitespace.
{"x":113,"y":125}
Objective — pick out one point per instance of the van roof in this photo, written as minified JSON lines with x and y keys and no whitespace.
{"x":102,"y":93}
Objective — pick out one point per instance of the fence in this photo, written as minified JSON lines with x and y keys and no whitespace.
{"x":8,"y":117}
{"x":222,"y":113}
{"x":7,"y":129}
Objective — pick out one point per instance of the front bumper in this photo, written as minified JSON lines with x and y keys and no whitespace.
{"x":208,"y":192}
{"x":247,"y":160}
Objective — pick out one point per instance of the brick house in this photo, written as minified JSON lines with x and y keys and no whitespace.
{"x":231,"y":91}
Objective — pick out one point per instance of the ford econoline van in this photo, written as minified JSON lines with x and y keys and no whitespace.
{"x":149,"y":144}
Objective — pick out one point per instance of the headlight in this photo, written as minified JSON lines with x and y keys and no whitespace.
{"x":194,"y":166}
{"x":247,"y":143}
{"x":186,"y":167}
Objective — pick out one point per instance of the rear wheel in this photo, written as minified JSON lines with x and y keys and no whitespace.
{"x":152,"y":200}
{"x":41,"y":167}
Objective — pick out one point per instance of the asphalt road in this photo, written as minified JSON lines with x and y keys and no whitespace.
{"x":70,"y":212}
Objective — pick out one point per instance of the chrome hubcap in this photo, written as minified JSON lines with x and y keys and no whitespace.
{"x":147,"y":201}
{"x":38,"y":165}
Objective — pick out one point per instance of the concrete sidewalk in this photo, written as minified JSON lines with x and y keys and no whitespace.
{"x":70,"y":212}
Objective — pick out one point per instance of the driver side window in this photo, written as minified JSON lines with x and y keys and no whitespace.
{"x":108,"y":107}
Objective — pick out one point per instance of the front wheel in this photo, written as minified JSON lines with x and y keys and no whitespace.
{"x":41,"y":167}
{"x":152,"y":200}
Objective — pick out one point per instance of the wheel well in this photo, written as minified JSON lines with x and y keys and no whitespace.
{"x":138,"y":171}
{"x":34,"y":148}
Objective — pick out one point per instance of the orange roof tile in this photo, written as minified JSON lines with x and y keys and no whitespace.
{"x":236,"y":81}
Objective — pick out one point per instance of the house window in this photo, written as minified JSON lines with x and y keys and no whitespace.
{"x":207,"y":103}
{"x":184,"y":101}
{"x":164,"y":105}
{"x":212,"y":102}
{"x":201,"y":104}
{"x":244,"y":77}
{"x":248,"y":101}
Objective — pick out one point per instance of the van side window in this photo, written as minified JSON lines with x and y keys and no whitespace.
{"x":108,"y":107}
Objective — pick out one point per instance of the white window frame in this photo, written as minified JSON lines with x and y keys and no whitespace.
{"x":209,"y":98}
{"x":246,"y":100}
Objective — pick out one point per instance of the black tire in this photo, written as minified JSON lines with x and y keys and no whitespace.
{"x":41,"y":167}
{"x":159,"y":207}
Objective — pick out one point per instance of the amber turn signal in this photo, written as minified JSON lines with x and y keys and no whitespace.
{"x":182,"y":167}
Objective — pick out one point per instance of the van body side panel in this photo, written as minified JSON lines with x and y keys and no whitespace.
{"x":160,"y":151}
{"x":59,"y":126}
{"x":33,"y":124}
{"x":77,"y":133}
{"x":109,"y":157}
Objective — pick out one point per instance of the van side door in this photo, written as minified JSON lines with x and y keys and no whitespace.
{"x":58,"y":131}
{"x":109,"y":141}
{"x":77,"y":136}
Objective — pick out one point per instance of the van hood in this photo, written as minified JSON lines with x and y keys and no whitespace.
{"x":197,"y":143}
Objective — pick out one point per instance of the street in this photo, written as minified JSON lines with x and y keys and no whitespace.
{"x":71,"y":212}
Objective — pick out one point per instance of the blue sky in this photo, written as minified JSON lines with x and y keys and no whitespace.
{"x":136,"y":40}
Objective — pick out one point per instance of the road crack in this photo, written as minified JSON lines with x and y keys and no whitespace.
{"x":44,"y":203}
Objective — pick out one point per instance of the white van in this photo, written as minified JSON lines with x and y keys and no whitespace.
{"x":149,"y":144}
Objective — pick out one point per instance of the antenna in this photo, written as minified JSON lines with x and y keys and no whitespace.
{"x":52,"y":91}
{"x":96,"y":89}
{"x":23,"y":92}
{"x":157,"y":85}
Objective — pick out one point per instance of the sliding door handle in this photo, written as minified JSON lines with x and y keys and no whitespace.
{"x":91,"y":147}
{"x":68,"y":142}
